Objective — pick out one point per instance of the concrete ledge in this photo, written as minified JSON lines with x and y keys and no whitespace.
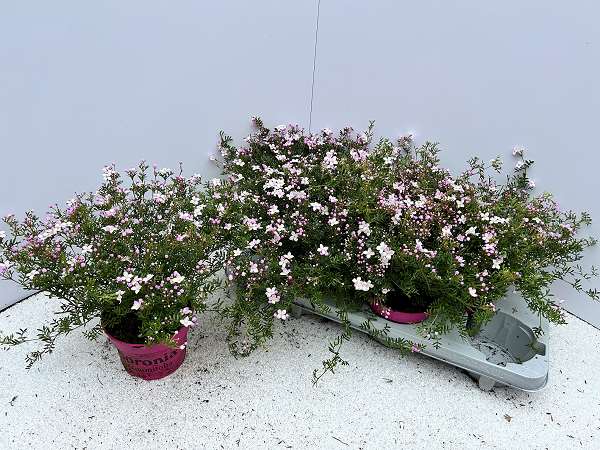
{"x":80,"y":396}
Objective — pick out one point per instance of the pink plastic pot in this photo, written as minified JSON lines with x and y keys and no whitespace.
{"x":151,"y":362}
{"x":397,"y":316}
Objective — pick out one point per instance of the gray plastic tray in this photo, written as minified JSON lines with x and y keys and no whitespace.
{"x":505,"y":352}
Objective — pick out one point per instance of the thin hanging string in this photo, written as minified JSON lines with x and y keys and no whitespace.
{"x":312,"y":88}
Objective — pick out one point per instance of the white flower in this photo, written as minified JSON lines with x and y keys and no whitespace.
{"x":472,"y":292}
{"x":364,"y":228}
{"x":333,"y":221}
{"x":110,"y":228}
{"x":316,"y":206}
{"x":237,"y":252}
{"x":419,"y":246}
{"x":385,"y":253}
{"x":518,"y":150}
{"x":272,"y":295}
{"x":496,"y":219}
{"x":447,"y":231}
{"x":108,"y":172}
{"x":496,"y":262}
{"x":159,"y":198}
{"x":471,"y":230}
{"x":531,"y":183}
{"x":32,"y":274}
{"x":368,"y":253}
{"x":253,"y":267}
{"x":186,"y":322}
{"x":330,"y":160}
{"x":253,"y":243}
{"x":273,"y":210}
{"x":215,"y":182}
{"x":176,"y":278}
{"x":137,"y":304}
{"x":252,"y":223}
{"x":87,"y":249}
{"x":120,"y":295}
{"x":127,"y":277}
{"x":324,"y":251}
{"x":281,"y":314}
{"x":361,"y":285}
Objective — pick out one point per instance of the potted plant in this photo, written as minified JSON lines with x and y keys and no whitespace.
{"x":139,"y":254}
{"x":385,"y":225}
{"x":453,"y":246}
{"x":293,"y":212}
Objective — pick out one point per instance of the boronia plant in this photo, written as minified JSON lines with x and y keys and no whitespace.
{"x":140,"y":253}
{"x":333,"y":218}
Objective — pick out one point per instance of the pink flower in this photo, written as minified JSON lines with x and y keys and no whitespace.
{"x":273,"y":295}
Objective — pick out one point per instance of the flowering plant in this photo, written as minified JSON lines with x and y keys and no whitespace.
{"x":320,"y":216}
{"x":454,"y":245}
{"x":140,"y":255}
{"x":293,"y":209}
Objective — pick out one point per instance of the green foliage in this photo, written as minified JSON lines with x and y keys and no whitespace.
{"x":139,"y":253}
{"x":335,"y":218}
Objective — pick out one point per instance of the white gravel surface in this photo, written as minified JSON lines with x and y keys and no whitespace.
{"x":81,"y":397}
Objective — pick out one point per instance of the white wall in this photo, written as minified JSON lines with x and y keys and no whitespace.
{"x":85,"y":84}
{"x":478,"y":77}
